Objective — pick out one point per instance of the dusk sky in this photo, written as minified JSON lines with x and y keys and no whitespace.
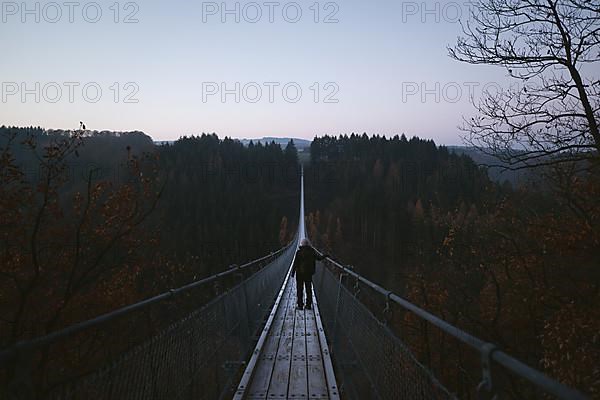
{"x":375,"y":62}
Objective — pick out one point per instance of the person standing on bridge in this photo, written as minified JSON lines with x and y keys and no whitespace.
{"x":303,"y":269}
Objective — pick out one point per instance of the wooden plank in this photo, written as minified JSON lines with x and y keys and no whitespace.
{"x":332,"y":387}
{"x":263,"y":370}
{"x":281,"y":371}
{"x":293,"y":360}
{"x":298,"y":388}
{"x":313,"y":348}
{"x":299,"y":346}
{"x":317,"y":385}
{"x":272,"y":342}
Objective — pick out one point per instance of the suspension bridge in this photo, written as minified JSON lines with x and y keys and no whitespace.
{"x":251,"y":342}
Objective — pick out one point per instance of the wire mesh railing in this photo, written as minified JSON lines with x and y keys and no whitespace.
{"x":370,"y":361}
{"x":375,"y":358}
{"x":198,"y":357}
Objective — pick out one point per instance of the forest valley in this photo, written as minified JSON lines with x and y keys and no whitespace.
{"x":92,"y":221}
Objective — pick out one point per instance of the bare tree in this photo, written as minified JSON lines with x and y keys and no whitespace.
{"x":551,"y":47}
{"x":68,"y":253}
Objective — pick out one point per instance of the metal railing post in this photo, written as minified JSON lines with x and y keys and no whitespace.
{"x":487,"y":383}
{"x":356,"y":288}
{"x":387,"y":311}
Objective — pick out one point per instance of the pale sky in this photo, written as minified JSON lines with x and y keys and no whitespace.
{"x":179,"y":55}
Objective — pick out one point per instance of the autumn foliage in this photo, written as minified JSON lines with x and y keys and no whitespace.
{"x":70,"y":250}
{"x":516,"y":267}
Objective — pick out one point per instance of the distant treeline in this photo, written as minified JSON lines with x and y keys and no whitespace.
{"x":514,"y":266}
{"x":94,"y":221}
{"x":225,"y":202}
{"x":365,"y":193}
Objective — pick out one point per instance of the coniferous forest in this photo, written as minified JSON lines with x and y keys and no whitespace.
{"x":92,"y":221}
{"x":516,"y":266}
{"x":111,"y":216}
{"x":446,"y":245}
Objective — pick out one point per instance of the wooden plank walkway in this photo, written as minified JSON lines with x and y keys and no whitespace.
{"x":291,"y":359}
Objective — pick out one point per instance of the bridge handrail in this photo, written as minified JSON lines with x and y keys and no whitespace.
{"x":10,"y":352}
{"x":487,"y":350}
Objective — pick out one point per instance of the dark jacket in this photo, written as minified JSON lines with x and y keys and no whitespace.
{"x":304,"y":263}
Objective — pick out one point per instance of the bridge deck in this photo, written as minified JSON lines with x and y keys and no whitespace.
{"x":291,"y":359}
